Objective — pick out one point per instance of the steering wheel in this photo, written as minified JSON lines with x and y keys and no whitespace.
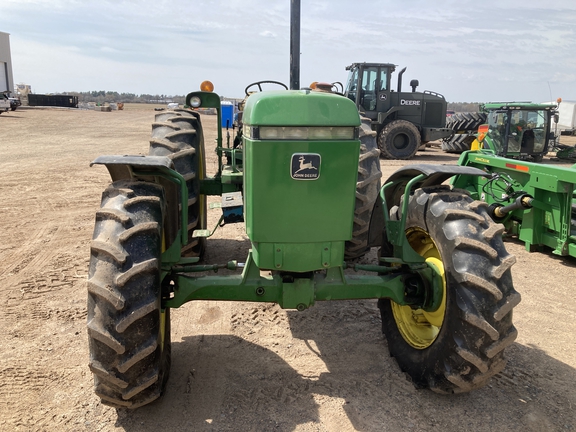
{"x":259,"y":84}
{"x":335,"y":86}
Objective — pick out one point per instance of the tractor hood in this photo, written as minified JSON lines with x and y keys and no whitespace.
{"x":306,"y":108}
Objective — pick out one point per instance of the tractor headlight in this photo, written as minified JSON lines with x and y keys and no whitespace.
{"x":195,"y":101}
{"x":343,"y":133}
{"x":306,"y":133}
{"x":283,"y":133}
{"x":320,"y":133}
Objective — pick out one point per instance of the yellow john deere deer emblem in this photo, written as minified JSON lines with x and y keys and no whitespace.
{"x":305,"y":166}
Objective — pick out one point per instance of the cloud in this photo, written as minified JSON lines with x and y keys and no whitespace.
{"x":465,"y":50}
{"x":268,"y":34}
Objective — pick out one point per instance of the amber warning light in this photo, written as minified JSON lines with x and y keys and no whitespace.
{"x":207,"y":86}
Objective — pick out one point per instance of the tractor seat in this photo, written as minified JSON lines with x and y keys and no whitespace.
{"x":527,"y":145}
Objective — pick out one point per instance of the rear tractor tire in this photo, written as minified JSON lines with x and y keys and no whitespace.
{"x":458,"y":143}
{"x":399,"y":139}
{"x":128,"y":331}
{"x":458,"y":347}
{"x":178,"y":135}
{"x":367,"y":189}
{"x":464,"y":127}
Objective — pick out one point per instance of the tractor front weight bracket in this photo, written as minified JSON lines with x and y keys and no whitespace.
{"x":418,"y":287}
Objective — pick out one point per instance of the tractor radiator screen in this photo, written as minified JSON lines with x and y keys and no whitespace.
{"x":434,"y":115}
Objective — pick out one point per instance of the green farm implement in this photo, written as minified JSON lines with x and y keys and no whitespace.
{"x":535,"y":201}
{"x":304,"y":177}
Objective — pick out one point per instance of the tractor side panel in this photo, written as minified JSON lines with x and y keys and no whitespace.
{"x":425,"y":110}
{"x":411,"y":107}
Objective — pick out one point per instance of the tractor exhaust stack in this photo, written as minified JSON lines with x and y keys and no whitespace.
{"x":400,"y":79}
{"x":294,"y":44}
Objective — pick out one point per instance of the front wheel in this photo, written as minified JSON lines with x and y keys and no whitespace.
{"x":128,"y":331}
{"x":458,"y":347}
{"x":399,"y":139}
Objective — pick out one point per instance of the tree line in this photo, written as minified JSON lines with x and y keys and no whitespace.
{"x":102,"y":96}
{"x":463,"y":106}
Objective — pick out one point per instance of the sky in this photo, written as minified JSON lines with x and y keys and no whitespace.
{"x":468,"y":51}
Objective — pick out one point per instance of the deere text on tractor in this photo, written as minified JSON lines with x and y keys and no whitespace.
{"x":304,"y":177}
{"x":403,"y":121}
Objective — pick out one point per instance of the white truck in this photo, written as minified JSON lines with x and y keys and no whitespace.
{"x":566,"y":118}
{"x":4,"y":103}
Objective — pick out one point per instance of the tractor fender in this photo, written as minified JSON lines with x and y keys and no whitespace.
{"x":435,"y":175}
{"x":124,"y":168}
{"x":382,"y":116}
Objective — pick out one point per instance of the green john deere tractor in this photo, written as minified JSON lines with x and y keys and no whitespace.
{"x":517,"y":129}
{"x":403,"y":121}
{"x":301,"y":175}
{"x":535,"y":201}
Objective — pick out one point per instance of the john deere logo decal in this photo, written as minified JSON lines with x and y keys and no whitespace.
{"x":305,"y":166}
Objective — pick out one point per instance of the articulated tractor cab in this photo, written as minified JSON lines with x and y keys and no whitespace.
{"x":402,"y":120}
{"x":304,"y":177}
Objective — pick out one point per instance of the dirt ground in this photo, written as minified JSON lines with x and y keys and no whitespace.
{"x":236,"y":366}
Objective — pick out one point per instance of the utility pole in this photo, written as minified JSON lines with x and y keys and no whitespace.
{"x":294,"y":44}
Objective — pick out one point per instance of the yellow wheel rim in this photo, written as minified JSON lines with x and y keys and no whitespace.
{"x":420,"y":328}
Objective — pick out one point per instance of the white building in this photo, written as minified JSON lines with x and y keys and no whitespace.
{"x":6,"y":78}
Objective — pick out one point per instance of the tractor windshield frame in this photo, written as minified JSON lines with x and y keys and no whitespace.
{"x":519,"y":132}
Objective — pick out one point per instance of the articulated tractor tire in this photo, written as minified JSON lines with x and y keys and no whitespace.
{"x":367,"y":189}
{"x":128,"y":332}
{"x":178,"y":135}
{"x":464,"y":127}
{"x":399,"y":139}
{"x":458,"y":347}
{"x":458,"y":143}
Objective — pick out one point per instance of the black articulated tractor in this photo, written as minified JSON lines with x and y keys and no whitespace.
{"x":403,"y":120}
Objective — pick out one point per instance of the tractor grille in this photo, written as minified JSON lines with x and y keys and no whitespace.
{"x":435,"y":114}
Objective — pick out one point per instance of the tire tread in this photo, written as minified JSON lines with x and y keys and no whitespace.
{"x":129,"y":365}
{"x":477,"y":327}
